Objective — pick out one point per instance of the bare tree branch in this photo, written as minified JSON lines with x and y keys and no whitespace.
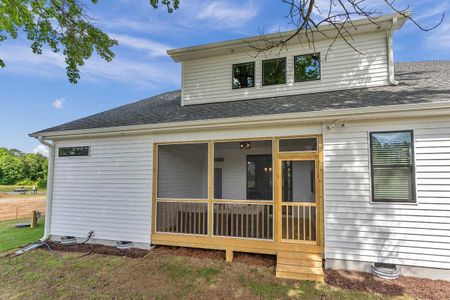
{"x":307,"y":17}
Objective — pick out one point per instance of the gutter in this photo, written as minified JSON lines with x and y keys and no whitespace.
{"x":390,"y":52}
{"x":48,"y":200}
{"x":379,"y":112}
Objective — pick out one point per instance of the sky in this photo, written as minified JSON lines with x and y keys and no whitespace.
{"x":36,"y":94}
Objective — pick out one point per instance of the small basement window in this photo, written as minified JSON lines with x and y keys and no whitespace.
{"x":74,"y":151}
{"x":274,"y":71}
{"x":307,"y":67}
{"x":243,"y":75}
{"x":392,"y":166}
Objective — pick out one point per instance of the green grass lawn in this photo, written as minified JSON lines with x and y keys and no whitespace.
{"x":155,"y":276}
{"x":12,"y":237}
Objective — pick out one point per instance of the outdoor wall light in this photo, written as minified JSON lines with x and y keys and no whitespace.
{"x":245,"y":145}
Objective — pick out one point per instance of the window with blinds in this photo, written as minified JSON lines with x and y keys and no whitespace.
{"x":392,"y":166}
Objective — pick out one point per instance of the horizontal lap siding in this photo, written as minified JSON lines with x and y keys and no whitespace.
{"x":110,"y":191}
{"x":209,"y":79}
{"x":356,"y":229}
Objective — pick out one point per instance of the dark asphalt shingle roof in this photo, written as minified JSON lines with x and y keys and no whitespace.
{"x":419,"y":82}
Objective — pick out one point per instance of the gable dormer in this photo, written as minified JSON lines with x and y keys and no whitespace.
{"x":231,"y":70}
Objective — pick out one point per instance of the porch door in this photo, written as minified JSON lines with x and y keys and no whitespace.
{"x":299,"y":190}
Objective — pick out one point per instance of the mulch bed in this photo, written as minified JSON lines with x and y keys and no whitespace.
{"x":418,"y":288}
{"x":98,"y":249}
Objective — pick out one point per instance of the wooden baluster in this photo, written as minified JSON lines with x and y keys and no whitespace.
{"x":310,"y":230}
{"x":298,"y":222}
{"x":304,"y":222}
{"x":257,"y":223}
{"x":242,"y":220}
{"x":292,"y":222}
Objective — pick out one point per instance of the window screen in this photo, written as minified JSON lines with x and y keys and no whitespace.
{"x":183,"y":171}
{"x":302,"y":144}
{"x":392,"y":166}
{"x":307,"y":67}
{"x":274,"y":71}
{"x":244,"y":75}
{"x":74,"y":151}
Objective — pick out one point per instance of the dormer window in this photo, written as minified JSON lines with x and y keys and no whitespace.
{"x":307,"y":67}
{"x":274,"y":71}
{"x":244,"y":75}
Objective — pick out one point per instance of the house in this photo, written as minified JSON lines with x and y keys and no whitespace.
{"x":341,"y":158}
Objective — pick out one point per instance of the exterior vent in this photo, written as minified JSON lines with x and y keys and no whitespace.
{"x":68,"y":240}
{"x":385,"y":271}
{"x":124,"y":245}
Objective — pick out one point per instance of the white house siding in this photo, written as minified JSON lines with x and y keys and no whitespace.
{"x":109,"y":191}
{"x":416,"y":235}
{"x":209,"y":79}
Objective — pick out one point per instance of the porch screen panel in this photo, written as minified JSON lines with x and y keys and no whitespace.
{"x":245,"y":168}
{"x":183,"y":171}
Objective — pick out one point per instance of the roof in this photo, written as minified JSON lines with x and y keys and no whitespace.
{"x":419,"y":83}
{"x":384,"y":22}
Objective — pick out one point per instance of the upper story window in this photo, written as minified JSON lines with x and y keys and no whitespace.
{"x":243,"y":75}
{"x":74,"y":151}
{"x":392,"y":166}
{"x":274,"y":71}
{"x":307,"y":67}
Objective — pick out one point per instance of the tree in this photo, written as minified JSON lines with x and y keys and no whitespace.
{"x":65,"y":25}
{"x":12,"y":169}
{"x":61,"y":25}
{"x":16,"y":166}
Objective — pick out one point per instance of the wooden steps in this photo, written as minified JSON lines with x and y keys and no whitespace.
{"x":300,"y":266}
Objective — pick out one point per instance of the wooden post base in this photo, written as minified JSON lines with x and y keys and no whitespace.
{"x":229,"y":255}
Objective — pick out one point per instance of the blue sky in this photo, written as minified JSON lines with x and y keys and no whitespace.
{"x":35,"y":92}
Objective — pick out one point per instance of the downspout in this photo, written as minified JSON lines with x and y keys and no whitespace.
{"x":48,"y":201}
{"x":390,"y":53}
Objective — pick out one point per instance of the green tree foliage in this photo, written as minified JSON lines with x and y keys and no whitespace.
{"x":16,"y":166}
{"x":63,"y":26}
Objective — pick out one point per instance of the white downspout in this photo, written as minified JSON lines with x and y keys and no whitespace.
{"x":390,"y":53}
{"x":48,"y":201}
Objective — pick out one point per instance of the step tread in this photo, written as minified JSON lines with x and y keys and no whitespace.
{"x":300,"y":269}
{"x":299,"y":262}
{"x":300,"y":276}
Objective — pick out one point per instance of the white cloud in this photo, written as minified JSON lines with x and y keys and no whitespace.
{"x":58,"y":103}
{"x":41,"y":149}
{"x":135,"y":71}
{"x":229,"y":15}
{"x":150,"y":47}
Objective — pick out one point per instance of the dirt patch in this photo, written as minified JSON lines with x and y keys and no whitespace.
{"x":416,"y":287}
{"x":190,"y":252}
{"x":98,"y":249}
{"x":3,"y":195}
{"x":239,"y":257}
{"x":255,"y":259}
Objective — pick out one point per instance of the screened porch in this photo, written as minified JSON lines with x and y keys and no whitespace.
{"x":246,"y":190}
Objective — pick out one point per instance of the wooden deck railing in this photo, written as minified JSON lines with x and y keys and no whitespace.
{"x":182,"y":217}
{"x":243,"y":220}
{"x":299,"y":221}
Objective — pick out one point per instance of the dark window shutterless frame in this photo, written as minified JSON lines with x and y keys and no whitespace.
{"x":283,"y":59}
{"x":319,"y":75}
{"x":73,"y":151}
{"x":410,"y":166}
{"x":233,"y":67}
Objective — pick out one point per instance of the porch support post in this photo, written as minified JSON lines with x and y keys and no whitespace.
{"x":210,"y":187}
{"x":277,"y":192}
